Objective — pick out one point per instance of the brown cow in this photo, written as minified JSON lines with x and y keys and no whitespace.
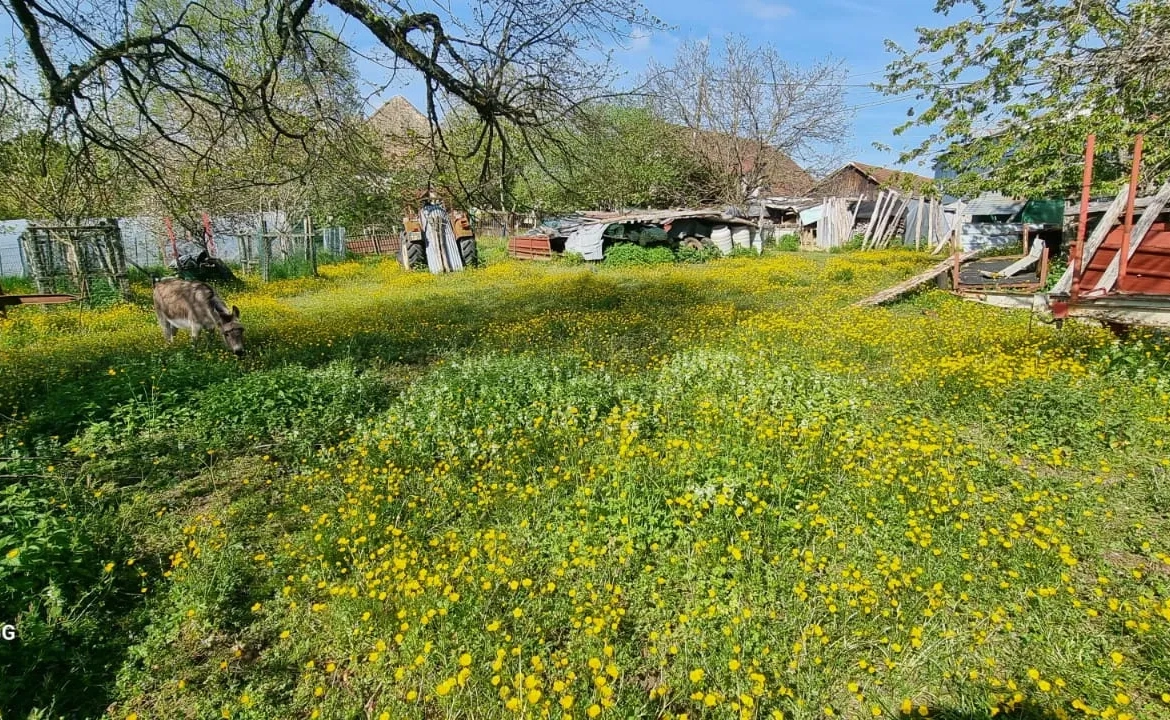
{"x":195,"y":306}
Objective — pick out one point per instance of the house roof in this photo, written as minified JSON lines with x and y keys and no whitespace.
{"x":782,"y":174}
{"x":399,"y":125}
{"x":995,"y":204}
{"x":885,"y":177}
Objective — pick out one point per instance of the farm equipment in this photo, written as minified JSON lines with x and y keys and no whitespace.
{"x":437,"y":240}
{"x":201,"y":265}
{"x":42,"y":299}
{"x":590,"y":234}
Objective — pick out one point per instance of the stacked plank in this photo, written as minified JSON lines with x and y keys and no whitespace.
{"x":835,"y":226}
{"x":892,"y":215}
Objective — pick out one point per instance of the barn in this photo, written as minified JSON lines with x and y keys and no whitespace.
{"x":860,"y":180}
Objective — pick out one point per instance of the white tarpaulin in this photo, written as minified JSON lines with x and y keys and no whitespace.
{"x":586,"y":241}
{"x":812,"y":215}
{"x":442,"y":247}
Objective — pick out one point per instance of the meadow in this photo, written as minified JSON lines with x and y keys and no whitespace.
{"x":711,"y":490}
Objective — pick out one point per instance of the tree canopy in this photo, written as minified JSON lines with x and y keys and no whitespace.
{"x":609,"y":156}
{"x":1011,"y":92}
{"x":157,"y":80}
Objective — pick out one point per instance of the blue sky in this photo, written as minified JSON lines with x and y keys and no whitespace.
{"x":853,"y":31}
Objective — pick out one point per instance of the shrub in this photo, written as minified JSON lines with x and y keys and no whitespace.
{"x":788,"y":243}
{"x":626,"y":254}
{"x":694,"y":255}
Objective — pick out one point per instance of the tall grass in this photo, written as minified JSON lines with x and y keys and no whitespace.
{"x":710,"y":490}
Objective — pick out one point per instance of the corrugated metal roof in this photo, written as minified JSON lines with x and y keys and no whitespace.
{"x":564,"y":225}
{"x":994,"y":204}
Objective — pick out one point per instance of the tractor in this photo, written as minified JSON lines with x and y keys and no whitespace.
{"x":438,"y":240}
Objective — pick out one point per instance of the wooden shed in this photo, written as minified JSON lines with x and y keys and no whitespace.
{"x":860,"y":180}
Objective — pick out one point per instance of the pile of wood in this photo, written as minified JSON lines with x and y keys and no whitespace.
{"x":835,"y":226}
{"x":890,"y":217}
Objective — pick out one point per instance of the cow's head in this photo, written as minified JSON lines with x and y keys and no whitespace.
{"x":233,"y":331}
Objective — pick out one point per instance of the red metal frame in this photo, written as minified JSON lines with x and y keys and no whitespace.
{"x":1086,"y":185}
{"x":171,"y":234}
{"x":1135,"y":177}
{"x":208,"y":235}
{"x":530,"y":247}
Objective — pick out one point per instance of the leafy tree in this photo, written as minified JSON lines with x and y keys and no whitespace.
{"x":610,"y":156}
{"x":111,"y":72}
{"x":628,"y":157}
{"x":1011,"y":92}
{"x":42,"y":179}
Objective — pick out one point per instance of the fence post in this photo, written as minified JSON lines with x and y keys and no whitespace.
{"x":263,"y":249}
{"x":24,"y":266}
{"x":312,"y":245}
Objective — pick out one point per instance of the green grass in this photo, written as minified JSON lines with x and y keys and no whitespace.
{"x":549,"y":490}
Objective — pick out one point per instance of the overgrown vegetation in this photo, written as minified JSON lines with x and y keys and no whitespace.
{"x":535,"y":489}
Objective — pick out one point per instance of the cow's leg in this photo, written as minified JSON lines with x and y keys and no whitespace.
{"x":167,"y":329}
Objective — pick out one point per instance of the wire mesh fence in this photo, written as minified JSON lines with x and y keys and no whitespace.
{"x":269,"y":244}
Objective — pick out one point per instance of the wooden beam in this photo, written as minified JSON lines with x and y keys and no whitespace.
{"x":895,"y":218}
{"x":1149,"y":217}
{"x":6,"y":300}
{"x":873,"y":218}
{"x":1023,"y":263}
{"x":918,"y":223}
{"x":1065,"y":284}
{"x":918,"y":280}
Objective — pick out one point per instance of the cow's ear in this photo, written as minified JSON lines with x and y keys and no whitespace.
{"x":235,"y":312}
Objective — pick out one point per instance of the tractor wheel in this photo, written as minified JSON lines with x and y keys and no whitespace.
{"x":469,"y":251}
{"x":692,"y":242}
{"x":415,"y":253}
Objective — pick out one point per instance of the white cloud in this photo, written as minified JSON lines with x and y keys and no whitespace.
{"x":762,"y":10}
{"x":639,"y":40}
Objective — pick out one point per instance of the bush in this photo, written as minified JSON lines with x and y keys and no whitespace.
{"x":788,"y":243}
{"x":695,"y":256}
{"x":624,"y":254}
{"x":572,"y":258}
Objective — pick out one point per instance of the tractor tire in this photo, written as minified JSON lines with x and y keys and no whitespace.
{"x":693,"y":243}
{"x":415,"y":253}
{"x":469,"y":251}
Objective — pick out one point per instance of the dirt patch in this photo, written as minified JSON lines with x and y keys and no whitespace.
{"x":1130,"y":561}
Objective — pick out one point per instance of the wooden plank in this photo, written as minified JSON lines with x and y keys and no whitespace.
{"x":873,"y":218}
{"x":1064,"y":285}
{"x":880,"y":221}
{"x":36,"y":299}
{"x":915,"y":282}
{"x":918,"y":223}
{"x":930,"y":225}
{"x":1149,"y":216}
{"x":1023,"y":263}
{"x":894,"y":219}
{"x":960,"y":215}
{"x":853,"y":220}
